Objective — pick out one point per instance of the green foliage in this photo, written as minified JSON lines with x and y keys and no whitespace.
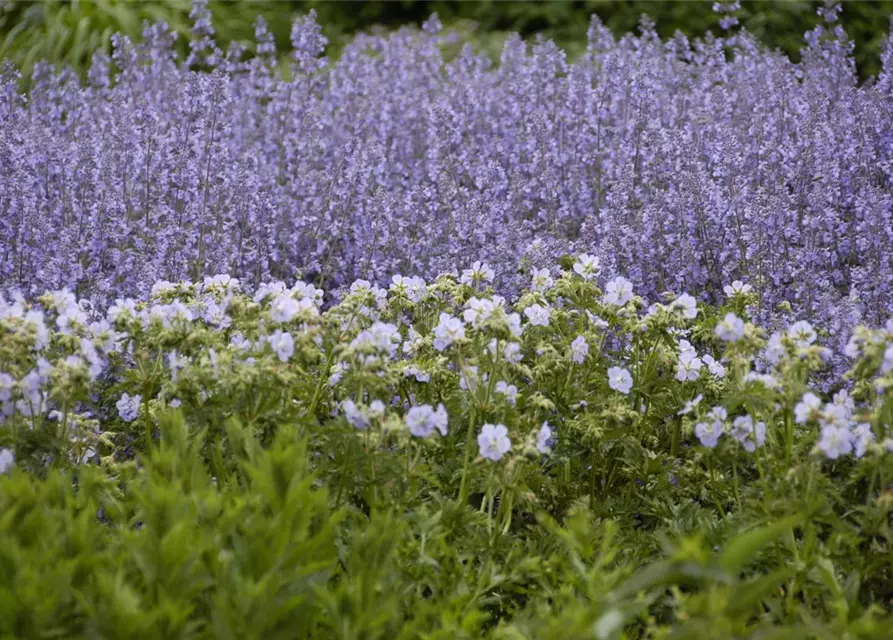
{"x":238,"y":497}
{"x":68,"y":32}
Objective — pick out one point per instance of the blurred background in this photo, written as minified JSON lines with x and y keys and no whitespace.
{"x":67,"y":32}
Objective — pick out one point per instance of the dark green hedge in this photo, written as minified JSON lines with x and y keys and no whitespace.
{"x":780,"y":24}
{"x":68,"y":32}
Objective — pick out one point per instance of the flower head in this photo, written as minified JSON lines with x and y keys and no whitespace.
{"x":747,"y":433}
{"x":835,"y":441}
{"x":715,"y":367}
{"x":887,"y":364}
{"x":708,"y":433}
{"x":448,"y":330}
{"x":512,"y":353}
{"x":731,"y":329}
{"x":494,"y":442}
{"x":808,"y":408}
{"x":423,"y":419}
{"x":691,"y":405}
{"x":544,"y":438}
{"x":129,"y":407}
{"x":618,"y":292}
{"x":587,"y":266}
{"x":538,"y":315}
{"x":862,"y":436}
{"x":802,"y":333}
{"x":357,"y":416}
{"x":7,"y":460}
{"x":579,"y":350}
{"x":737,"y":288}
{"x":619,"y":379}
{"x":283,"y":345}
{"x":480,"y":272}
{"x":687,"y":305}
{"x":541,"y":280}
{"x":689,"y":367}
{"x":510,"y":391}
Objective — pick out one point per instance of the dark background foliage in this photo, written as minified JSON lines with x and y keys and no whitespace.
{"x":68,"y":32}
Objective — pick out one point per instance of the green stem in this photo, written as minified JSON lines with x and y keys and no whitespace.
{"x":712,"y":465}
{"x":677,"y":436}
{"x":63,"y":427}
{"x":735,"y":476}
{"x":763,"y":482}
{"x":592,"y":481}
{"x":789,"y":438}
{"x":567,"y":384}
{"x":463,"y":486}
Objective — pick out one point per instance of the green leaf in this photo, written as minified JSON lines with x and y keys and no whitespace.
{"x":745,"y":547}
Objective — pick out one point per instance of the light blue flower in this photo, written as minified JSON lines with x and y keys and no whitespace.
{"x":494,"y":442}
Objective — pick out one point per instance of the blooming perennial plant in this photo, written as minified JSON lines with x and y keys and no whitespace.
{"x":569,"y":413}
{"x":588,"y":431}
{"x":679,"y":164}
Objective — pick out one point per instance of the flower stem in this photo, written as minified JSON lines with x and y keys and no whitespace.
{"x":463,"y":486}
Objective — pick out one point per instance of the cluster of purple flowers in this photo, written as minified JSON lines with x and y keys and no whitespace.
{"x":680,"y":164}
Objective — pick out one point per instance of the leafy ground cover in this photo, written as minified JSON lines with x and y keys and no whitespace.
{"x":433,"y":460}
